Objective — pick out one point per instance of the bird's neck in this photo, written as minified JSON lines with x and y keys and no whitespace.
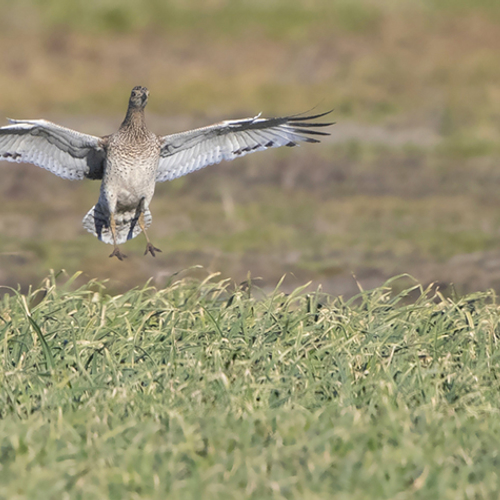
{"x":134,"y":118}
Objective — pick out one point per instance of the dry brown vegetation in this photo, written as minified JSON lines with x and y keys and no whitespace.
{"x":407,"y":183}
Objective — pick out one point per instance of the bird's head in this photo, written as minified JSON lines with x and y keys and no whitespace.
{"x":139,"y":97}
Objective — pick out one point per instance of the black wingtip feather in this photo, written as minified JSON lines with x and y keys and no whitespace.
{"x":301,"y":117}
{"x":310,"y":139}
{"x":313,"y":132}
{"x":312,"y":124}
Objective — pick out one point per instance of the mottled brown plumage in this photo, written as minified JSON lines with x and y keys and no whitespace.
{"x":128,"y":183}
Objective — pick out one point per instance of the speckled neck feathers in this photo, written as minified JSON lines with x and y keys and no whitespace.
{"x":134,"y":121}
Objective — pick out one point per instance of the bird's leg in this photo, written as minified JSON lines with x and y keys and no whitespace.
{"x":112,"y":225}
{"x":149,"y":246}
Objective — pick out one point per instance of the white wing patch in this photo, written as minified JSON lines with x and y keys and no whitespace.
{"x":189,"y":151}
{"x":64,"y":152}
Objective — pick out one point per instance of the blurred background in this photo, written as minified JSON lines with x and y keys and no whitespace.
{"x":408,"y":182}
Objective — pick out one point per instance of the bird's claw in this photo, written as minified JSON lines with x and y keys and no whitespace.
{"x":117,"y":253}
{"x":151,"y":249}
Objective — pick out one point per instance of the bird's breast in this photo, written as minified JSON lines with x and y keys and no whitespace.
{"x":130,"y":174}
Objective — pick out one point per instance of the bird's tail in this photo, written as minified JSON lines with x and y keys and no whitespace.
{"x":127,"y":224}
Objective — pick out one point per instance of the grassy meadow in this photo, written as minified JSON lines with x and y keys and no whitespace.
{"x":268,"y":352}
{"x":202,"y":389}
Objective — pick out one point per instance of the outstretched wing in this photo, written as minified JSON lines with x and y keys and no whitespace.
{"x":189,"y":151}
{"x":62,"y":151}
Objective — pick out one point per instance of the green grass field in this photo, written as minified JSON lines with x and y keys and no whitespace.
{"x":206,"y":390}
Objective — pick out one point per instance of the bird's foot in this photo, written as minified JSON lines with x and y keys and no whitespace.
{"x":117,"y":253}
{"x":151,"y":249}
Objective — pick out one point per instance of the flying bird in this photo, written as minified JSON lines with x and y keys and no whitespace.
{"x":132,"y":160}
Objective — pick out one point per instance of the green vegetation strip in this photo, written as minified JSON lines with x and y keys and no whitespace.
{"x":210,"y":391}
